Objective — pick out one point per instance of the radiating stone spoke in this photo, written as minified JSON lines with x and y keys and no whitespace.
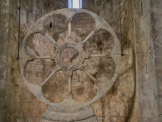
{"x":54,"y":72}
{"x":44,"y":57}
{"x":99,"y":55}
{"x":49,"y":37}
{"x":31,"y":58}
{"x":89,"y":36}
{"x":91,"y":77}
{"x":87,"y":56}
{"x":102,"y":55}
{"x":70,"y":84}
{"x":69,"y":28}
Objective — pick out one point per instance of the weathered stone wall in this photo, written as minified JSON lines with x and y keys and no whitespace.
{"x":132,"y":97}
{"x":136,"y":21}
{"x":4,"y":23}
{"x":145,"y":65}
{"x":22,"y":106}
{"x":110,"y":11}
{"x":157,"y":40}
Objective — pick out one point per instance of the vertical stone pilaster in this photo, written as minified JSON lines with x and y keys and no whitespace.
{"x":4,"y":23}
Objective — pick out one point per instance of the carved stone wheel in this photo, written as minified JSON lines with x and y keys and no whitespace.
{"x":69,"y":109}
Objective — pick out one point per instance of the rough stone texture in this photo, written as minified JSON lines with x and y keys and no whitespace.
{"x":106,"y":109}
{"x":133,"y":97}
{"x":4,"y":23}
{"x":145,"y":62}
{"x":157,"y":41}
{"x":113,"y":111}
{"x":22,"y":106}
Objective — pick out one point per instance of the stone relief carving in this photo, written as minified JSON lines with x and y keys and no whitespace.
{"x":70,"y":57}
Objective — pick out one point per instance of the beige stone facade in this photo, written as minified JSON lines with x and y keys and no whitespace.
{"x":133,"y":96}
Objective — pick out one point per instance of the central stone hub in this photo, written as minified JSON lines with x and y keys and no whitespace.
{"x":69,"y":56}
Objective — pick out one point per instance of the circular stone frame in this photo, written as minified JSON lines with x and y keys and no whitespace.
{"x":38,"y":27}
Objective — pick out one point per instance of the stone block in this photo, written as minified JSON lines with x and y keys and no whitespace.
{"x":20,"y":119}
{"x":157,"y":36}
{"x":27,"y":112}
{"x":158,"y":18}
{"x":160,"y":102}
{"x":26,"y":105}
{"x":160,"y":118}
{"x":159,"y":89}
{"x":147,"y":119}
{"x":147,"y":111}
{"x":2,"y":117}
{"x":159,"y":73}
{"x":157,"y":11}
{"x":156,"y":4}
{"x":159,"y":81}
{"x":35,"y":112}
{"x":158,"y":50}
{"x":158,"y":63}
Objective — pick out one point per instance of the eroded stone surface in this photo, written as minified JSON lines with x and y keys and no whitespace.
{"x":118,"y":104}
